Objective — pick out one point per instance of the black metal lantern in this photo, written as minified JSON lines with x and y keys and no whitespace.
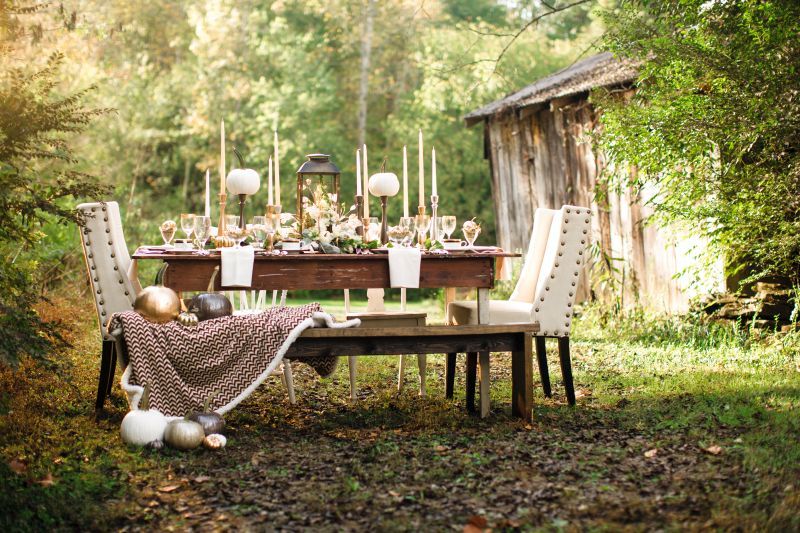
{"x":316,"y":168}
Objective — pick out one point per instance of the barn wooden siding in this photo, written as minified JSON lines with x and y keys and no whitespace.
{"x":541,"y":156}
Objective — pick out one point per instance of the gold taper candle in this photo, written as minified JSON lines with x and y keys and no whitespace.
{"x":405,"y":182}
{"x":366,"y":184}
{"x":277,"y":172}
{"x":421,"y":173}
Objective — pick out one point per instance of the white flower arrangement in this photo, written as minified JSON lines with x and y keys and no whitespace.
{"x":327,"y":229}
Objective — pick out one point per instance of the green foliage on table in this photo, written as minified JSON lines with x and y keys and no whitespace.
{"x":39,"y":181}
{"x":714,"y":126}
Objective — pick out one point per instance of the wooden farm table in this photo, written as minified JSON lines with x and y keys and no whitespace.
{"x":478,"y":270}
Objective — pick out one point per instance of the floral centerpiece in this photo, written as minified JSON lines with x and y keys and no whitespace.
{"x":328,"y":228}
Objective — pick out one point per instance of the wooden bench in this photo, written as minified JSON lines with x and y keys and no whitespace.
{"x":471,"y":339}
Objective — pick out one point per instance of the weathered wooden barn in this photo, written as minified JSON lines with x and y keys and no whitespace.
{"x":538,"y":144}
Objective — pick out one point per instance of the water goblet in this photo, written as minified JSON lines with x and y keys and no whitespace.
{"x":471,"y":231}
{"x":187,"y":223}
{"x":410,"y":224}
{"x":449,"y":225}
{"x":231,"y":223}
{"x":259,"y":230}
{"x":423,"y":223}
{"x":202,"y":231}
{"x":374,"y":230}
{"x":168,"y":228}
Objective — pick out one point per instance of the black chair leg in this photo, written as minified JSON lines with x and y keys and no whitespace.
{"x":450,"y":375}
{"x":566,"y":368}
{"x":472,"y":374}
{"x":105,"y":365}
{"x":544,"y":373}
{"x":112,"y":368}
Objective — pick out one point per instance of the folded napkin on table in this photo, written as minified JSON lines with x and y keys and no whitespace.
{"x":237,"y":266}
{"x":404,"y":267}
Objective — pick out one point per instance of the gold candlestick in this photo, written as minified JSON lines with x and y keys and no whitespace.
{"x":360,"y":214}
{"x":274,"y":213}
{"x":221,"y":227}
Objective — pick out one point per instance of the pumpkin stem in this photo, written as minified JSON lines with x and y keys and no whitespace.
{"x":383,"y":165}
{"x":212,"y":280}
{"x":144,"y":403}
{"x":160,"y":274}
{"x":207,"y":402}
{"x":238,"y":155}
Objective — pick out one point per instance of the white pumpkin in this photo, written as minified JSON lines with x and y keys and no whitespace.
{"x":242,"y":180}
{"x":142,"y":426}
{"x":384,"y":184}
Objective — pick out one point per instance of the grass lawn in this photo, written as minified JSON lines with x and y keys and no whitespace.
{"x":679,"y":425}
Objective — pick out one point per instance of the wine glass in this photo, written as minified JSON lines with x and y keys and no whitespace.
{"x":168,"y":228}
{"x":449,"y":225}
{"x":202,"y":230}
{"x":423,"y":223}
{"x":187,"y":223}
{"x":410,"y":224}
{"x":259,"y":230}
{"x":271,"y":225}
{"x":373,"y":230}
{"x":439,"y":225}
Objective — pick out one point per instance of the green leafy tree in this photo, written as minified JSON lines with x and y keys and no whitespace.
{"x":714,"y":125}
{"x":38,"y":181}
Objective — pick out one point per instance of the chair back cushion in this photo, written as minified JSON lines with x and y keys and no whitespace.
{"x":107,"y":260}
{"x":560,"y":269}
{"x":525,"y":289}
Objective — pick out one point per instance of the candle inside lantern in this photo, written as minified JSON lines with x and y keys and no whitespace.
{"x":405,"y":182}
{"x":421,"y":173}
{"x":269,"y":183}
{"x":277,"y":172}
{"x":222,"y":157}
{"x":358,"y":171}
{"x":366,"y":184}
{"x":208,"y":193}
{"x":433,"y":172}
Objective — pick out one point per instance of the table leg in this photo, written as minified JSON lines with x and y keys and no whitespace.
{"x":483,"y":357}
{"x":472,"y":364}
{"x":522,"y":379}
{"x":449,"y":296}
{"x":450,"y":375}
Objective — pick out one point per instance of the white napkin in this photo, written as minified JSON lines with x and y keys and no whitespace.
{"x":237,"y":266}
{"x":404,"y":267}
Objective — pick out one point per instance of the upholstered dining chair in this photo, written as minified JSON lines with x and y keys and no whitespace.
{"x":112,"y":277}
{"x":545,"y":292}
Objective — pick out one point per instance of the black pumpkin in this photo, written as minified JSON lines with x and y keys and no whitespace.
{"x":208,"y":305}
{"x":212,"y":422}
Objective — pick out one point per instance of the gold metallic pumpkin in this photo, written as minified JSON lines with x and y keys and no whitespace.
{"x":157,"y":304}
{"x":224,"y":241}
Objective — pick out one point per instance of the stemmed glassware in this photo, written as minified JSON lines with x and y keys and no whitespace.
{"x":202,"y":231}
{"x":168,"y":228}
{"x":409,"y":224}
{"x":423,"y":224}
{"x":374,"y":229}
{"x":259,"y":230}
{"x":471,"y":232}
{"x":187,"y":223}
{"x":449,"y":225}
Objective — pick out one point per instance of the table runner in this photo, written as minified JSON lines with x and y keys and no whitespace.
{"x":229,"y":356}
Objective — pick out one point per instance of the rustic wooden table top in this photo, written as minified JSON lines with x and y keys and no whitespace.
{"x":192,"y":271}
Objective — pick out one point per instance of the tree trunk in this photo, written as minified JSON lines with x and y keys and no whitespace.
{"x":363,"y":87}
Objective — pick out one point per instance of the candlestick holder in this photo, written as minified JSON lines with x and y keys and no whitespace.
{"x":365,"y":227}
{"x":274,"y":213}
{"x":242,"y":200}
{"x":360,"y":214}
{"x":384,"y":222}
{"x":221,"y":226}
{"x":421,"y":230}
{"x":434,"y":211}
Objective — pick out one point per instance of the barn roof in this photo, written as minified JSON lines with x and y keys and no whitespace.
{"x":602,"y":70}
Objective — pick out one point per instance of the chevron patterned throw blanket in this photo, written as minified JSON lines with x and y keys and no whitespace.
{"x":229,"y":356}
